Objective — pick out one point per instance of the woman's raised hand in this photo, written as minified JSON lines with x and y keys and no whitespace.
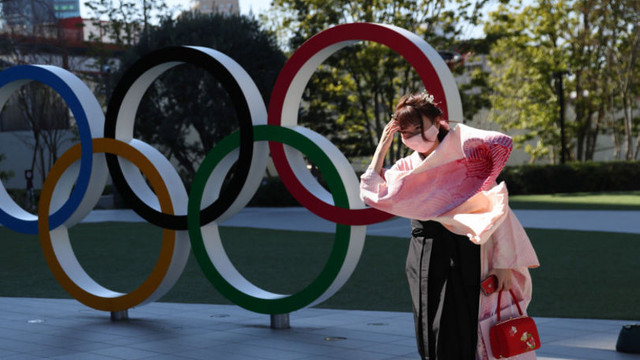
{"x":385,"y":142}
{"x":387,"y":134}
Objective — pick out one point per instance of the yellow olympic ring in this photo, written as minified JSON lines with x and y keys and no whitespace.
{"x":57,"y":246}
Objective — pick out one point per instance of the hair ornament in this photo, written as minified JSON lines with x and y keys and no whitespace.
{"x":428,"y":97}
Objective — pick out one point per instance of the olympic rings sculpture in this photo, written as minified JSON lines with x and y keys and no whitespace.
{"x":75,"y":182}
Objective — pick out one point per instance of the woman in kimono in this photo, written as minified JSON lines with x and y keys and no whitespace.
{"x":462,"y":227}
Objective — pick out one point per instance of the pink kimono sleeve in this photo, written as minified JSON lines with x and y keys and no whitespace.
{"x":374,"y":187}
{"x":479,"y":216}
{"x":512,"y":247}
{"x":411,"y":195}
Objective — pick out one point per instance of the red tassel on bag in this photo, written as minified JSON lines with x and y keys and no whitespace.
{"x":514,"y":336}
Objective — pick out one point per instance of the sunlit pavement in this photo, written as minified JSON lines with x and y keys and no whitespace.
{"x":65,"y":329}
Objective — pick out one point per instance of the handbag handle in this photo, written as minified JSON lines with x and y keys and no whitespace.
{"x":513,"y":296}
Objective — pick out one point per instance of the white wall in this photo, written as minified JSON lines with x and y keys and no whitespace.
{"x":17,"y":146}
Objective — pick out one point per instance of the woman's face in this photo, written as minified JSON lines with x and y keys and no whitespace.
{"x":412,"y":129}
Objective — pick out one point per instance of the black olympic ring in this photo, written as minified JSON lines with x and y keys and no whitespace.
{"x":124,"y":103}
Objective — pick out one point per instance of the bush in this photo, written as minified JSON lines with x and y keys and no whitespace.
{"x":573,"y":177}
{"x":272,"y":192}
{"x":29,"y":203}
{"x":521,"y":180}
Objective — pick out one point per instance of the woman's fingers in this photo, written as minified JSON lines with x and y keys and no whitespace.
{"x":392,"y":126}
{"x":389,"y":130}
{"x":504,"y":278}
{"x":506,"y":285}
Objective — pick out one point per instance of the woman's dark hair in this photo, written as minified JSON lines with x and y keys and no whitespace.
{"x":412,"y":107}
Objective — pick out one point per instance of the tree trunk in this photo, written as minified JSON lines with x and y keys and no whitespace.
{"x":43,"y":171}
{"x":617,"y":144}
{"x":592,"y":139}
{"x":628,"y":121}
{"x":581,"y":119}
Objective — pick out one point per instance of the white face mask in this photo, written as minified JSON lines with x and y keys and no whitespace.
{"x":417,"y":143}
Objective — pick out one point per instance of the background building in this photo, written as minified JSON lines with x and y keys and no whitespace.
{"x":36,"y":12}
{"x":230,"y":7}
{"x":65,"y":9}
{"x":25,"y":14}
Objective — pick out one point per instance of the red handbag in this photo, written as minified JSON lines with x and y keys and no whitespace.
{"x":514,"y":336}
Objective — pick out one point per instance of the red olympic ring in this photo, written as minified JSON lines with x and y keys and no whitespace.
{"x":292,"y":80}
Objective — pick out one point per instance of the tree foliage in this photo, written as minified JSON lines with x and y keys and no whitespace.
{"x":116,"y":26}
{"x":122,"y":22}
{"x":47,"y":117}
{"x":529,"y":51}
{"x":622,"y":20}
{"x":186,"y":111}
{"x":593,"y":46}
{"x":34,"y":107}
{"x":351,"y":95}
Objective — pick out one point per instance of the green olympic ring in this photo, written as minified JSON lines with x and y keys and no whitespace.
{"x":213,"y":259}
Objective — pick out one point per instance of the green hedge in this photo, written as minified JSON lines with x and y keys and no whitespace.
{"x":20,"y":197}
{"x":521,"y":180}
{"x":573,"y":177}
{"x":272,"y":192}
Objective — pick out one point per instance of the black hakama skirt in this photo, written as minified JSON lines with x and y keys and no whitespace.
{"x":443,"y":270}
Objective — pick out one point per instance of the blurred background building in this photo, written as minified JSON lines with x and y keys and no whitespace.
{"x":230,"y":7}
{"x":26,"y":14}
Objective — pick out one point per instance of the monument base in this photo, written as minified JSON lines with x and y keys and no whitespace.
{"x":120,"y":315}
{"x":280,"y":321}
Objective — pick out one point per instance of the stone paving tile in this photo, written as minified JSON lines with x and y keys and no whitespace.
{"x":299,"y":347}
{"x":363,"y":355}
{"x":392,"y":349}
{"x":124,"y":352}
{"x":576,"y":353}
{"x":83,"y":356}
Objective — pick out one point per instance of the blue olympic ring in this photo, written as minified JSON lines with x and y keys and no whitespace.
{"x":90,"y":119}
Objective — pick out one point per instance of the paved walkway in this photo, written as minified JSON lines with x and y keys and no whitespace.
{"x":297,"y":218}
{"x":66,"y":329}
